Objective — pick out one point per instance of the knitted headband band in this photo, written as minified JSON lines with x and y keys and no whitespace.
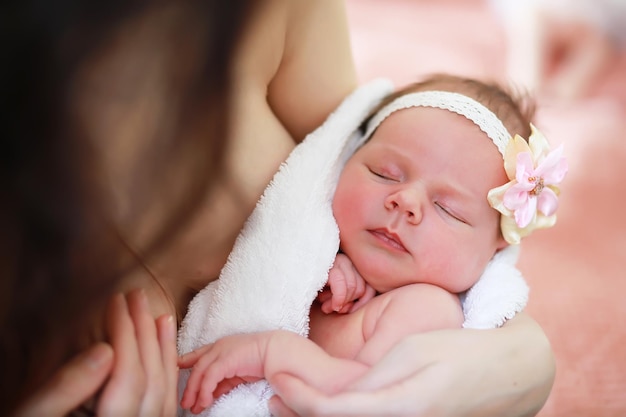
{"x":463,"y":105}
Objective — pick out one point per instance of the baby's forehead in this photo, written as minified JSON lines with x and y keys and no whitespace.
{"x":438,"y":139}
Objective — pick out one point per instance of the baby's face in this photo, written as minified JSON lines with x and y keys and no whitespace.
{"x":411,"y":204}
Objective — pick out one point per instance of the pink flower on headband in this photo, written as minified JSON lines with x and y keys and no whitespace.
{"x":529,"y":201}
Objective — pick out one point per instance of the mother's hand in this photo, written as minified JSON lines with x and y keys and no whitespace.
{"x":73,"y":384}
{"x":140,"y":363}
{"x":507,"y":371}
{"x":145,"y":373}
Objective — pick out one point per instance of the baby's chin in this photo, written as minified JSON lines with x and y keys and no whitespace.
{"x":455,"y":283}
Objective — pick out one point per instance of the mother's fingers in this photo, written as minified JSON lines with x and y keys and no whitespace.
{"x":279,"y":409}
{"x":149,"y":348}
{"x":295,"y":397}
{"x":189,"y":359}
{"x":166,"y":330}
{"x":292,"y":396}
{"x":367,"y":294}
{"x":300,"y":399}
{"x":145,"y":373}
{"x":124,"y":392}
{"x":73,"y":384}
{"x":140,"y":364}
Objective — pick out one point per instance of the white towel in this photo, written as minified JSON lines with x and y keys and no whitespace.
{"x":283,"y":254}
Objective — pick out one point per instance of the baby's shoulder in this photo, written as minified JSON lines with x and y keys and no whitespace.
{"x":418,"y":306}
{"x":419,"y":296}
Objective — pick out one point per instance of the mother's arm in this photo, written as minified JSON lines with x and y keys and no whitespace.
{"x":506,"y":371}
{"x":316,"y":71}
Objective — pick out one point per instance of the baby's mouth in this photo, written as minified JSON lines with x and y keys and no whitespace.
{"x":389,"y":239}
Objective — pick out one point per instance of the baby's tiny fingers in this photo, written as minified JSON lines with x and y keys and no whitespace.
{"x":189,"y":359}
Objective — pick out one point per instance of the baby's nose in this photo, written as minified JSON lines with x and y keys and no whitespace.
{"x":408,"y":202}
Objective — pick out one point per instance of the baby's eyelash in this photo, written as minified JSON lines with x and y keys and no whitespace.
{"x":449,"y":213}
{"x":380,"y":175}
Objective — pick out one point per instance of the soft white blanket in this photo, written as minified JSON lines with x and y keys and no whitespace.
{"x":283,"y":254}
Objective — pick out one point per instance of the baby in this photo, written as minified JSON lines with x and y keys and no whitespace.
{"x":422,"y":207}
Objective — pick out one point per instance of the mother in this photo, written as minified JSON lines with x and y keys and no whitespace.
{"x":116,"y":135}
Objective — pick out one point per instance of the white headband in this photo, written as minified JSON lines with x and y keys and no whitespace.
{"x":482,"y":117}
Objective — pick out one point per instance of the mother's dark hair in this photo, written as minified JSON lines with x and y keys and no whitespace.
{"x":113,"y":119}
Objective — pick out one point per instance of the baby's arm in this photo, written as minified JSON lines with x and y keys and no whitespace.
{"x":367,"y":334}
{"x":384,"y":320}
{"x":346,"y":290}
{"x":249,"y":357}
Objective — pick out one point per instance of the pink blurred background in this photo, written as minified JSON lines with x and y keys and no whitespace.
{"x":574,"y":270}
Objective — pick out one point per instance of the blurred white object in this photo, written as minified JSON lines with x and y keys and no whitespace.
{"x":561,"y":46}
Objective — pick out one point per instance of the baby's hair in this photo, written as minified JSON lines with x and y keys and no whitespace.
{"x":516,"y":110}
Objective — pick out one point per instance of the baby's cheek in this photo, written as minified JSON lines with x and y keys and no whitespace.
{"x":345,"y":202}
{"x":454,"y":271}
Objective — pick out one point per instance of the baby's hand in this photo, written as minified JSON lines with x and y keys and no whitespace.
{"x":220,"y":367}
{"x":346,"y":290}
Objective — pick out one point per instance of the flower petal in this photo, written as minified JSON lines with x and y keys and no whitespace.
{"x":547,"y":202}
{"x":544,"y":222}
{"x":554,"y":167}
{"x":526,"y":212}
{"x":538,"y":143}
{"x":557,"y":174}
{"x":516,"y":146}
{"x":510,"y":231}
{"x":515,"y":197}
{"x":495,"y":196}
{"x":525,"y":167}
